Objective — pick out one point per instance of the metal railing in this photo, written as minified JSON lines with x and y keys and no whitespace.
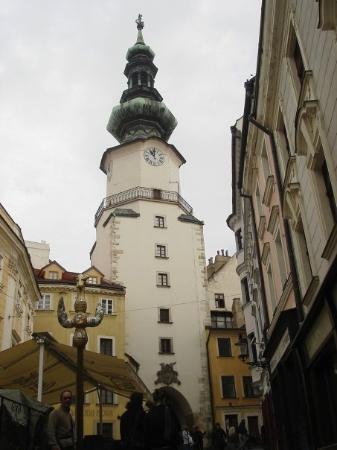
{"x":144,"y":193}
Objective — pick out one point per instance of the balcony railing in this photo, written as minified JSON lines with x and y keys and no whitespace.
{"x":142,"y":193}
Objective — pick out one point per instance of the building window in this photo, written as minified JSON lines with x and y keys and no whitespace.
{"x":161,"y":251}
{"x":296,"y":60}
{"x":163,"y":279}
{"x":252,"y":347}
{"x":106,"y":346}
{"x":107,"y":305}
{"x":107,"y":397}
{"x":245,"y":290}
{"x":224,"y":347}
{"x":92,"y":280}
{"x":248,"y":387}
{"x":283,"y":146}
{"x":297,"y":55}
{"x":272,"y":294}
{"x":165,"y":345}
{"x":280,"y":258}
{"x":106,"y":429}
{"x":329,"y":191}
{"x":159,"y":222}
{"x":164,"y":315}
{"x":219,"y":300}
{"x":228,"y":387}
{"x":221,"y":319}
{"x":52,"y":275}
{"x":238,"y":238}
{"x":44,"y":302}
{"x":265,"y":163}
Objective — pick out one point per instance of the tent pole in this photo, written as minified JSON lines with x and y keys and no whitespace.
{"x":40,"y":341}
{"x":79,"y":398}
{"x":100,"y":412}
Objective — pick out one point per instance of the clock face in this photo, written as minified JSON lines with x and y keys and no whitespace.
{"x":154,"y":156}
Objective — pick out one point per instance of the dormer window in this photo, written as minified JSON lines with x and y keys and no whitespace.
{"x":92,"y":280}
{"x":53,"y":275}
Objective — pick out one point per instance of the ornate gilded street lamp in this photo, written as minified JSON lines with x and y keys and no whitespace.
{"x":80,"y":321}
{"x":243,"y":346}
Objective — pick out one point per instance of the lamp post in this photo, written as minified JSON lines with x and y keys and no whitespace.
{"x":80,"y":321}
{"x":243,"y":346}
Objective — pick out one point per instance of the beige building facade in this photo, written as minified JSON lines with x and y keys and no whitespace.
{"x":18,"y":288}
{"x":286,"y":178}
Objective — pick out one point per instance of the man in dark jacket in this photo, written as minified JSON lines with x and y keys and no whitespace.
{"x":162,"y":430}
{"x":132,"y":423}
{"x":61,"y":434}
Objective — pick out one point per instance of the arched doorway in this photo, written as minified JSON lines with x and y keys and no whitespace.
{"x":179,"y":405}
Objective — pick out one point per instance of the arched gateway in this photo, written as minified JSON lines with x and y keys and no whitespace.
{"x":179,"y":405}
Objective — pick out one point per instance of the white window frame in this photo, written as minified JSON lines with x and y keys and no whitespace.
{"x":158,"y":253}
{"x":171,"y":344}
{"x":106,"y":312}
{"x":43,"y":302}
{"x":169,"y":313}
{"x":159,"y":278}
{"x":106,"y":337}
{"x":53,"y":275}
{"x":155,"y":221}
{"x":91,"y":278}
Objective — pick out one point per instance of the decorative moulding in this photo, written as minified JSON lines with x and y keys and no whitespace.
{"x":265,"y":252}
{"x":309,"y":295}
{"x":268,"y":190}
{"x":262,"y":227}
{"x":273,"y":219}
{"x":331,"y":244}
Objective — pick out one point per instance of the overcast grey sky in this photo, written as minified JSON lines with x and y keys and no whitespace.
{"x":61,"y":72}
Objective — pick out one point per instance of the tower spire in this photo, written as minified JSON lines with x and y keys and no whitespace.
{"x":141,"y":112}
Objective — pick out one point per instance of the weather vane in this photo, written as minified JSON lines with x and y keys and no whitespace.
{"x":139,"y":22}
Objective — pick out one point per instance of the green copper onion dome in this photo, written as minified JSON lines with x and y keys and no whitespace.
{"x":141,"y":112}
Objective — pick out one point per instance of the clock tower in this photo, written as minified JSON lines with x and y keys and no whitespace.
{"x":148,"y":239}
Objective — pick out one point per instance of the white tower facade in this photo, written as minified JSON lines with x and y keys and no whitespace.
{"x":148,"y":240}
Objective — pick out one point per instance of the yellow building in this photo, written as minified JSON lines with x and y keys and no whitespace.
{"x":108,"y":338}
{"x":18,"y":287}
{"x":232,"y":392}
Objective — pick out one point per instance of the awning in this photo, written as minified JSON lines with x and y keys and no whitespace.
{"x":19,"y":370}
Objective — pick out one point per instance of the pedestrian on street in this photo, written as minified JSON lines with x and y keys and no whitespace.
{"x":243,"y":434}
{"x":61,"y":429}
{"x":132,"y":423}
{"x":187,"y":439}
{"x":162,"y":430}
{"x":218,"y":437}
{"x":198,"y":438}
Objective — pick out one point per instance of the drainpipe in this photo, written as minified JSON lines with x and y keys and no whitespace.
{"x":210,"y":379}
{"x":289,"y":243}
{"x":258,"y":254}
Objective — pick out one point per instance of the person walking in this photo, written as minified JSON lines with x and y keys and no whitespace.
{"x":243,"y":434}
{"x":218,"y":437}
{"x":198,"y":438}
{"x":61,"y":429}
{"x":187,"y":439}
{"x":132,"y":423}
{"x":162,"y":430}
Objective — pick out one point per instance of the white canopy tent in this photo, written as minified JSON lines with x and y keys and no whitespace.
{"x":42,"y":368}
